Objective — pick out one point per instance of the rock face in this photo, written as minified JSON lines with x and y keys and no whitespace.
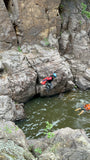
{"x":17,"y":79}
{"x":7,"y":33}
{"x":35,"y":26}
{"x":9,"y":110}
{"x":13,"y":145}
{"x":46,"y":61}
{"x":74,"y":42}
{"x":67,"y":144}
{"x":28,"y":21}
{"x":38,"y":19}
{"x":36,"y":22}
{"x":21,"y":73}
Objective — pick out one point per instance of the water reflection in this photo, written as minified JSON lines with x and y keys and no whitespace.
{"x":58,"y":111}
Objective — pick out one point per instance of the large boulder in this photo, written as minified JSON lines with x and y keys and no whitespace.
{"x":13,"y":145}
{"x":67,"y":144}
{"x":9,"y":110}
{"x":46,"y":61}
{"x":18,"y":78}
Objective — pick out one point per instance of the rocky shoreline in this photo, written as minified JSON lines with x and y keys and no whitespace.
{"x":65,"y":144}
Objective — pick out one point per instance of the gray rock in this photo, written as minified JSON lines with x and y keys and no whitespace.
{"x":7,"y":32}
{"x":46,"y":61}
{"x":13,"y":145}
{"x":19,"y":80}
{"x":23,"y":73}
{"x":66,"y":144}
{"x":74,"y":42}
{"x":9,"y":110}
{"x":82,"y":83}
{"x":87,"y":74}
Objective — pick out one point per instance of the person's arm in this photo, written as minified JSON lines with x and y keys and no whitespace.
{"x":43,"y":82}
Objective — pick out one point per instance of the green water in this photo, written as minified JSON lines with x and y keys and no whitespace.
{"x":58,"y":111}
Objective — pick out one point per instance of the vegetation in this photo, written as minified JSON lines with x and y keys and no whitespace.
{"x":38,"y":150}
{"x":16,"y":129}
{"x":9,"y":129}
{"x":19,"y":49}
{"x":47,"y":130}
{"x":75,"y":86}
{"x":46,"y":42}
{"x":61,"y":8}
{"x":80,"y":22}
{"x":84,"y":12}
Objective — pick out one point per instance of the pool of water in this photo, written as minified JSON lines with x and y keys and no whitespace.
{"x":56,"y":110}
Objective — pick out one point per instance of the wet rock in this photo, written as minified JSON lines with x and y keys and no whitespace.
{"x":82,"y":83}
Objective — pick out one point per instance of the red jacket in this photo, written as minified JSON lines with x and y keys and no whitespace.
{"x":43,"y":82}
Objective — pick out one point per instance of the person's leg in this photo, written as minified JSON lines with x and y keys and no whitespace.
{"x":81,"y":112}
{"x":48,"y":86}
{"x":51,"y":86}
{"x":77,"y":109}
{"x":81,"y":108}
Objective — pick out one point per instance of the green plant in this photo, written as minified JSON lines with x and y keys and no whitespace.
{"x":84,"y":12}
{"x":46,"y":42}
{"x":47,"y":130}
{"x":38,"y":150}
{"x":75,"y":86}
{"x":60,"y":33}
{"x":61,"y":7}
{"x":19,"y":49}
{"x":80,"y":22}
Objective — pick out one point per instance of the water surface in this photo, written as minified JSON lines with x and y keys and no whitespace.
{"x":58,"y":111}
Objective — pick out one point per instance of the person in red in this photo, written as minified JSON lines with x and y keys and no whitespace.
{"x":83,"y":109}
{"x":47,"y":81}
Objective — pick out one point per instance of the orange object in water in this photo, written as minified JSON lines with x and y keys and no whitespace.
{"x":87,"y":107}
